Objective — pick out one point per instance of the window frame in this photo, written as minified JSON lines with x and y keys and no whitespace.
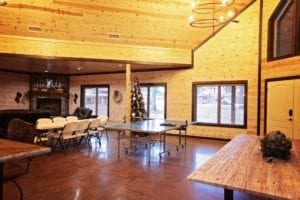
{"x":148,"y":85}
{"x":271,"y":31}
{"x":219,"y":84}
{"x":82,"y":95}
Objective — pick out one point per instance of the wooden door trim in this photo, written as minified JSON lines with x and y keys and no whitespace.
{"x":267,"y":81}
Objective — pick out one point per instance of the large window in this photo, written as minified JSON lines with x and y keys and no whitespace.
{"x":220,"y":103}
{"x":284,"y":34}
{"x":155,"y":100}
{"x":96,"y":98}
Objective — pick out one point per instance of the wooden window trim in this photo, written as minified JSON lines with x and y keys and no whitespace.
{"x":82,"y":94}
{"x":270,"y":51}
{"x":219,"y":84}
{"x":148,"y":85}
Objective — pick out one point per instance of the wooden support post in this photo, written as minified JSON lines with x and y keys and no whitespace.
{"x":128,"y":93}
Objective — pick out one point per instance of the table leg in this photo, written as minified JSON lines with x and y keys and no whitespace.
{"x":179,"y":137}
{"x":228,"y":194}
{"x":1,"y":179}
{"x":185,"y":136}
{"x":119,"y":135}
{"x":164,"y":138}
{"x":149,"y":151}
{"x":164,"y":147}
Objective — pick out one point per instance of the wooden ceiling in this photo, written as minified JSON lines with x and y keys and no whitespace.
{"x":76,"y":66}
{"x":153,"y":23}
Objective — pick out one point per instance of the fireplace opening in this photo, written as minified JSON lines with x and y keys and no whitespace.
{"x":51,"y":104}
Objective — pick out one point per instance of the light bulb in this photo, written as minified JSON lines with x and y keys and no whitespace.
{"x":193,"y":4}
{"x":191,"y":18}
{"x":230,"y":14}
{"x":221,"y":18}
{"x":224,"y":2}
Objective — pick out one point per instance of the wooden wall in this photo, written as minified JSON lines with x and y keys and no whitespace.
{"x":275,"y":69}
{"x":116,"y":82}
{"x":62,"y":48}
{"x":10,"y":84}
{"x":229,"y":55}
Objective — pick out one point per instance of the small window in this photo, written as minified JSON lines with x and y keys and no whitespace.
{"x":155,"y":100}
{"x":284,"y":25}
{"x":95,"y":98}
{"x":220,"y":103}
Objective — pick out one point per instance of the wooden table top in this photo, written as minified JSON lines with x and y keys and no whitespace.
{"x":11,"y":150}
{"x":239,"y":165}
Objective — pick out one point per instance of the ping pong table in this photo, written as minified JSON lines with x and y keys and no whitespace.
{"x":149,"y":127}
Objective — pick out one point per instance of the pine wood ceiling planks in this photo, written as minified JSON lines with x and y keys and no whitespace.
{"x":161,"y":23}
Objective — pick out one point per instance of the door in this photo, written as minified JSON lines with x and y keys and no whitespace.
{"x":283,"y":107}
{"x":296,"y":118}
{"x":280,"y":101}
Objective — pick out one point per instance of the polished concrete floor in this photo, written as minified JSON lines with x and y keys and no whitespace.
{"x":98,"y":174}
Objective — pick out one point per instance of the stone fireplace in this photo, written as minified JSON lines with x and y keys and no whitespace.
{"x":51,"y":104}
{"x":58,"y":105}
{"x":49,"y":92}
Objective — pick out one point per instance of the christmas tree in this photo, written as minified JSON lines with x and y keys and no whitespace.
{"x":137,"y":102}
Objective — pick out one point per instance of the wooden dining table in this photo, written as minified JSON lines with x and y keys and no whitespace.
{"x":240,"y":166}
{"x":12,"y":150}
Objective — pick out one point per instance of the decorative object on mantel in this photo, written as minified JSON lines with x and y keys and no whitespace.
{"x":49,"y":83}
{"x":212,"y":13}
{"x":75,"y":98}
{"x":25,"y":98}
{"x":117,"y":97}
{"x":275,"y":144}
{"x":18,"y":97}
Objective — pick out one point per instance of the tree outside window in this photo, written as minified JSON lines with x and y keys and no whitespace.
{"x":220,"y":103}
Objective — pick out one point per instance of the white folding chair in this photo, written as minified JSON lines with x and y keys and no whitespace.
{"x":94,"y":130}
{"x":59,"y":120}
{"x":82,"y":130}
{"x":102,"y":125}
{"x":71,"y":118}
{"x":67,"y":134}
{"x":42,"y":126}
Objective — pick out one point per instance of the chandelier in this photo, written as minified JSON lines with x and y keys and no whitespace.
{"x":211,"y":13}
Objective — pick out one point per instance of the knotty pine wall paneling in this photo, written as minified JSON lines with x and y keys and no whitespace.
{"x":229,"y":55}
{"x":275,"y":69}
{"x":10,"y":84}
{"x":116,"y":82}
{"x":64,"y":48}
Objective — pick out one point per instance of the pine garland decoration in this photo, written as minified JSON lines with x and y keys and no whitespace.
{"x":276,"y":144}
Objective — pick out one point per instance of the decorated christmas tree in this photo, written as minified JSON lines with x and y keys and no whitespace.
{"x":137,"y":102}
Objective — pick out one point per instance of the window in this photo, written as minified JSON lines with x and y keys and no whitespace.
{"x":96,"y":98}
{"x":155,"y":100}
{"x":220,"y":103}
{"x":284,"y":34}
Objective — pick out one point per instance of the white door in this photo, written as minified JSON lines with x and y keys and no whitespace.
{"x":279,"y":101}
{"x":296,"y":113}
{"x":283,"y":107}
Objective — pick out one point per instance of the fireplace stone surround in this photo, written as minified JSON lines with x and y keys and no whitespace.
{"x":47,"y":91}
